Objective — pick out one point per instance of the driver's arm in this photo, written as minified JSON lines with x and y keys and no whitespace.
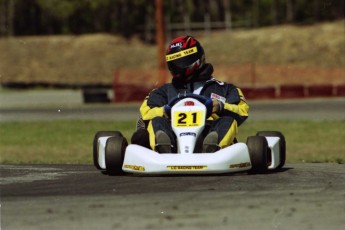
{"x":153,"y":105}
{"x":235,"y":106}
{"x":148,"y":113}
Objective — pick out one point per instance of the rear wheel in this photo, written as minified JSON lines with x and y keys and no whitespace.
{"x":114,"y":154}
{"x":95,"y":144}
{"x":258,"y":151}
{"x":282,"y":144}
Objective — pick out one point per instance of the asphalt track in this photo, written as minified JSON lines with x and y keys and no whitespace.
{"x":300,"y":196}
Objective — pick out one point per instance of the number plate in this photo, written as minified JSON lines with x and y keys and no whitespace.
{"x":187,"y":119}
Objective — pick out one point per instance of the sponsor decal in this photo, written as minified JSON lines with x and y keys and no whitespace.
{"x":189,"y":103}
{"x":135,"y":167}
{"x":240,"y":165}
{"x":192,"y":167}
{"x":218,"y":97}
{"x":188,"y":134}
{"x":183,"y":53}
{"x":178,"y":44}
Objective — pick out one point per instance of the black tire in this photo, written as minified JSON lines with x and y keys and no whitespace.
{"x":282,"y":144}
{"x":114,"y":154}
{"x":98,"y":135}
{"x":258,"y":151}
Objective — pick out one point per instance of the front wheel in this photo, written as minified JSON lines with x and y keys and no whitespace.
{"x":114,"y":154}
{"x":282,"y":144}
{"x":258,"y":151}
{"x":98,"y":135}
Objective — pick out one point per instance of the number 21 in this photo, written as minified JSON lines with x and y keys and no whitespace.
{"x":183,"y":117}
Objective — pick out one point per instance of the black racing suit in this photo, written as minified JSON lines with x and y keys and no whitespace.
{"x":226,"y":123}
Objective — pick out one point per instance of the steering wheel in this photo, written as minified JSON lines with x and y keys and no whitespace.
{"x":204,"y":100}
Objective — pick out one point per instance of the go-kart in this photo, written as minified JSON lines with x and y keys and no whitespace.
{"x":266,"y":151}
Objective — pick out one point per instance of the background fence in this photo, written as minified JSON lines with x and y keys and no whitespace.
{"x":257,"y":81}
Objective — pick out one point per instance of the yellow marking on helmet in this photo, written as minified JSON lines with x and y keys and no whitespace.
{"x":183,"y":53}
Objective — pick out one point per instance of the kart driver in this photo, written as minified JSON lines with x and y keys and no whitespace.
{"x":185,"y":58}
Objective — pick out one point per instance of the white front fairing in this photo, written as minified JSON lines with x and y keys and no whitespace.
{"x":101,"y":143}
{"x":234,"y":158}
{"x":273,"y":144}
{"x":187,"y":121}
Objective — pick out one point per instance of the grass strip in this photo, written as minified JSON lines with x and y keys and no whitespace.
{"x":70,"y":142}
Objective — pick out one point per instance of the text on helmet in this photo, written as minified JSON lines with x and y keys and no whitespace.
{"x":183,"y":53}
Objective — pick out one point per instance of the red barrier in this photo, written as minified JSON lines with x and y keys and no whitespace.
{"x":320,"y":91}
{"x":256,"y":81}
{"x":259,"y":93}
{"x":340,"y":90}
{"x":126,"y":93}
{"x":134,"y":85}
{"x":292,"y":91}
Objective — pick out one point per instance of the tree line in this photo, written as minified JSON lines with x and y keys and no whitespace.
{"x":133,"y":17}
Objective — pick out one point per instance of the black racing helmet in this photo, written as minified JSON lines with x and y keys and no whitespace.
{"x":184,"y":57}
